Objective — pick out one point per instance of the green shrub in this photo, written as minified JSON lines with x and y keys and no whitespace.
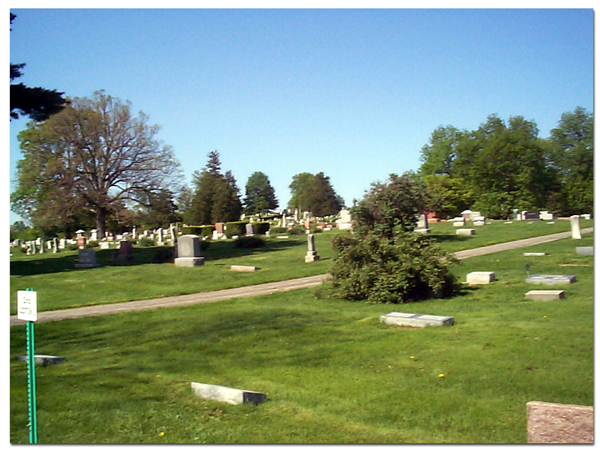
{"x":146,"y":242}
{"x":72,"y":246}
{"x":193,"y":229}
{"x":235,"y":229}
{"x":163,"y":255}
{"x":296,"y":231}
{"x":92,"y":244}
{"x":261,"y":227}
{"x":377,"y":269}
{"x":278,"y":230}
{"x":249,"y":242}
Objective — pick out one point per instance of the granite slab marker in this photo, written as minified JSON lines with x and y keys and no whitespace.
{"x":544,"y":296}
{"x":415,"y":320}
{"x":550,"y":280}
{"x":227,"y":394}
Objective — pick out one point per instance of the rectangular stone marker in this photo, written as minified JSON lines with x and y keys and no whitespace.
{"x":575,"y":227}
{"x":585,"y":251}
{"x":459,"y":223}
{"x":188,"y":251}
{"x":416,"y":320}
{"x":544,"y":296}
{"x":465,"y":232}
{"x":556,"y":423}
{"x":244,"y":268}
{"x":550,"y":280}
{"x":227,"y":394}
{"x":531,"y":215}
{"x":481,"y":277}
{"x":87,"y":259}
{"x":534,"y":254}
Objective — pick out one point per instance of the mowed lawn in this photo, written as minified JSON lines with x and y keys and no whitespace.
{"x":59,"y":285}
{"x":332,"y":372}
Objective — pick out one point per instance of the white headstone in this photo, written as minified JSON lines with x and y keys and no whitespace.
{"x":575,"y":227}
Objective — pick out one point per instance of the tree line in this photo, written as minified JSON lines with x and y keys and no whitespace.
{"x":502,"y":166}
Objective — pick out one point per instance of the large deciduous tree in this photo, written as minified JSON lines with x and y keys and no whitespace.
{"x":573,"y":158}
{"x":94,"y":155}
{"x":260,"y":195}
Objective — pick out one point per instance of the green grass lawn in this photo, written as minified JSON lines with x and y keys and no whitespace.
{"x":59,"y":285}
{"x":332,"y":372}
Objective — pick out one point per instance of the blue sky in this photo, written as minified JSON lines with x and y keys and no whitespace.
{"x":351,"y":93}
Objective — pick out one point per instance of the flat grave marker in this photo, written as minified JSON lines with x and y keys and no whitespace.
{"x":585,"y":251}
{"x":415,"y":320}
{"x":465,"y":232}
{"x":544,"y":296}
{"x":550,"y":280}
{"x":244,"y":268}
{"x":481,"y":277}
{"x":227,"y":394}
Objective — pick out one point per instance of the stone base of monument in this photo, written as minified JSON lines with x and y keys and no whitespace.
{"x":415,"y":320}
{"x":480,"y":277}
{"x":311,"y":257}
{"x":43,"y":360}
{"x":465,"y":232}
{"x":544,"y":296}
{"x":189,"y":262}
{"x":534,"y":254}
{"x":227,"y":394}
{"x":556,"y":423}
{"x":550,"y":280}
{"x":422,"y":230}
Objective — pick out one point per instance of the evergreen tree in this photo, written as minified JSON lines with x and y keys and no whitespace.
{"x":260,"y":195}
{"x":315,"y":194}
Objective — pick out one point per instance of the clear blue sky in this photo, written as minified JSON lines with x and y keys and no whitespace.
{"x":351,"y":93}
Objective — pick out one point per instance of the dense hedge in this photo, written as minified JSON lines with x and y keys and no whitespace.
{"x":235,"y":229}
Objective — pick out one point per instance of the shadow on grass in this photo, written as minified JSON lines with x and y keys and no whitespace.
{"x":56,"y":263}
{"x":440,"y":238}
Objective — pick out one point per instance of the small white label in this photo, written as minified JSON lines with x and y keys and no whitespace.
{"x":27,"y":305}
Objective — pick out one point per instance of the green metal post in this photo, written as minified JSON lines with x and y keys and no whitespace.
{"x":31,"y":382}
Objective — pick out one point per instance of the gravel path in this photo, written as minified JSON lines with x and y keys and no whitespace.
{"x":251,"y":291}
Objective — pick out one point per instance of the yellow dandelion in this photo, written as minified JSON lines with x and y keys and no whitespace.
{"x":157,"y":376}
{"x":162,"y":433}
{"x":545,"y":317}
{"x":441,"y":375}
{"x":412,"y":357}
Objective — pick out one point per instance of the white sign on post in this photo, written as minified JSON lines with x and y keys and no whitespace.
{"x":27,"y":305}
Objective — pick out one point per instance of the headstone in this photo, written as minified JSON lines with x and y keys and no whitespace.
{"x":465,"y":232}
{"x":220,"y":228}
{"x":173,"y":233}
{"x":586,"y":216}
{"x":478,"y":223}
{"x":545,"y":215}
{"x":134,"y":233}
{"x":531,"y":215}
{"x":550,"y":280}
{"x":311,"y":254}
{"x":249,"y":229}
{"x":576,"y":227}
{"x":160,"y":236}
{"x":55,"y":245}
{"x":81,"y":241}
{"x":94,"y":235}
{"x":585,"y":251}
{"x":283,"y":221}
{"x":87,"y":259}
{"x":466,"y":215}
{"x":227,"y":394}
{"x":125,"y":252}
{"x":422,"y":225}
{"x":188,"y":251}
{"x":41,"y":245}
{"x":215,"y":235}
{"x":104,"y":245}
{"x":544,"y":296}
{"x":416,"y":320}
{"x":481,"y":277}
{"x":516,"y":215}
{"x":556,"y":423}
{"x":534,"y":254}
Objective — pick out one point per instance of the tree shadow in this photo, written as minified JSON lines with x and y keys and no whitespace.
{"x":215,"y":251}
